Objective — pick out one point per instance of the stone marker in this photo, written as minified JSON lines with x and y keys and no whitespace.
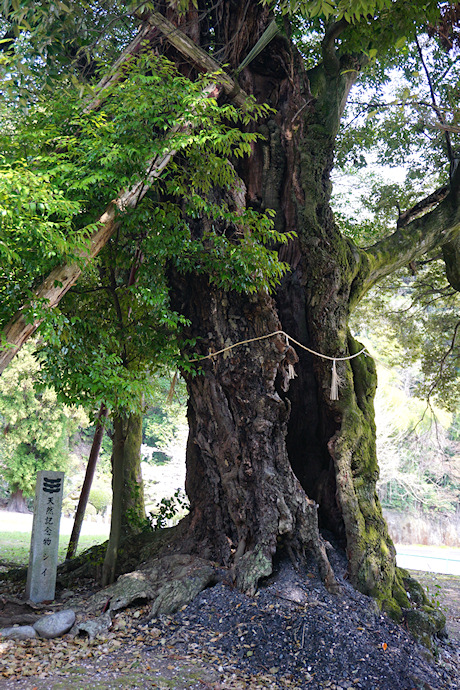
{"x":44,"y":543}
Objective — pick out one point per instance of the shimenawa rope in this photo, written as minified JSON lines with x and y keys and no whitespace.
{"x":335,"y":382}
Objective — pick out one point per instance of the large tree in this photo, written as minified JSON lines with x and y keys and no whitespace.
{"x":269,"y":456}
{"x":116,"y":328}
{"x":259,"y":454}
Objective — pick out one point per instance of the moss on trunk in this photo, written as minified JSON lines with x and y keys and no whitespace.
{"x":128,"y":510}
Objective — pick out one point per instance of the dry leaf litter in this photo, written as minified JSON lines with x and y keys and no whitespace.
{"x":292,"y":634}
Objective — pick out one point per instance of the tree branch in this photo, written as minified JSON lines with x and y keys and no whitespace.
{"x":437,"y":109}
{"x":442,"y":363}
{"x":408,"y":243}
{"x":329,"y":53}
{"x":116,"y":72}
{"x":432,"y":200}
{"x":451,"y":256}
{"x":61,"y":279}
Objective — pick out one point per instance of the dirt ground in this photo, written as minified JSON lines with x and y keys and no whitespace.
{"x":292,"y":634}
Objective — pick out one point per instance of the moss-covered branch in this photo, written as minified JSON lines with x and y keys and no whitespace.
{"x":435,"y":229}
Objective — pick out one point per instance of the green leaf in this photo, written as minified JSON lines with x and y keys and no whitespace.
{"x":400,"y":42}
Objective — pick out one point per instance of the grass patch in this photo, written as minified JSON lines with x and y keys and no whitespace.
{"x":14,"y":546}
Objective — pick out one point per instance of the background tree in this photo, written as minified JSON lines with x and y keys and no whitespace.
{"x":36,"y":429}
{"x":165,"y":413}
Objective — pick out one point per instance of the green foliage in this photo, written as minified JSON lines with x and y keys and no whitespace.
{"x":420,"y":317}
{"x":35,"y":428}
{"x":169,"y":510}
{"x":162,"y":420}
{"x":35,"y":230}
{"x":350,"y":10}
{"x":380,"y":32}
{"x":100,"y":495}
{"x":117,"y":326}
{"x":434,"y":596}
{"x":113,"y":349}
{"x":47,"y":40}
{"x":393,"y":147}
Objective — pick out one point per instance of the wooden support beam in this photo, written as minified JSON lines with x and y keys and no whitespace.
{"x":63,"y":277}
{"x":116,"y":71}
{"x":197,"y":55}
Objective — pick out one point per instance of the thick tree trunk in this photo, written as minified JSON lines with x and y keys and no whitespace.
{"x":17,"y":502}
{"x":245,"y":500}
{"x":331,"y":444}
{"x":128,"y":510}
{"x":259,"y":458}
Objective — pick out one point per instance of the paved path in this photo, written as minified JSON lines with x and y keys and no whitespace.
{"x":431,"y":559}
{"x":22,"y":522}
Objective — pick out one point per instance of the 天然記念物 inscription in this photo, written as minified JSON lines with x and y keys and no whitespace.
{"x":44,"y":544}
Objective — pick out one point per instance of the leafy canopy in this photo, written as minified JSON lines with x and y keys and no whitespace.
{"x":116,"y":327}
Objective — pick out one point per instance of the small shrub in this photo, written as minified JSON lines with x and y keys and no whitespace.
{"x":170,"y":510}
{"x":100,"y":496}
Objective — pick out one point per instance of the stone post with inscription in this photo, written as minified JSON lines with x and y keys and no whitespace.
{"x":44,"y":543}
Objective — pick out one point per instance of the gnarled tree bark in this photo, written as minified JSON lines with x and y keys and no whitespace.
{"x":245,"y":500}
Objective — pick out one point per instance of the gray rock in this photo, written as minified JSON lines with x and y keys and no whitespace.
{"x":94,"y":627}
{"x":55,"y":624}
{"x":19,"y":632}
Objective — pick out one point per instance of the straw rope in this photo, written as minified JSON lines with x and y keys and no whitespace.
{"x":335,"y":382}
